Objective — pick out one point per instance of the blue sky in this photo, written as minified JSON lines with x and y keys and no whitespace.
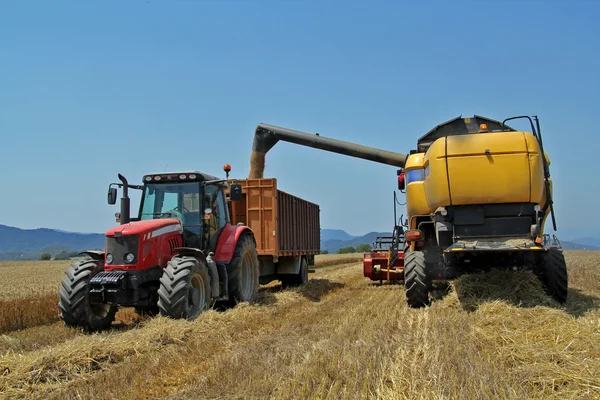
{"x":91,"y":89}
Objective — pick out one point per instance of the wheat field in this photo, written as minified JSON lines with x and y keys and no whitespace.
{"x":339,"y":337}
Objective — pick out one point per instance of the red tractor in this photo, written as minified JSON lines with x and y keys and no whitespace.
{"x":178,"y":257}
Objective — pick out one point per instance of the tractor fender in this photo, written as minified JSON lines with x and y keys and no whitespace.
{"x":189,"y":251}
{"x":96,"y":255}
{"x":228,"y":241}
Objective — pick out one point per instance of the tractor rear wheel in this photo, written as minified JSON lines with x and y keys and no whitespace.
{"x":415,"y":279}
{"x":184,"y":290}
{"x":244,"y":272}
{"x":298,"y":279}
{"x":554,"y":275}
{"x":74,"y":303}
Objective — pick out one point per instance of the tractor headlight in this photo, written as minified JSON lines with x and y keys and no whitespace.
{"x":109,"y":258}
{"x":129,"y":258}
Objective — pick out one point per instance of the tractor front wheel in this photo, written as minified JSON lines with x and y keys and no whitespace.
{"x":184,"y":290}
{"x":74,"y":304}
{"x":415,"y":279}
{"x":554,"y":277}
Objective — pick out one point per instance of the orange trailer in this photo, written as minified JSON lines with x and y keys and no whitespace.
{"x":286,"y":229}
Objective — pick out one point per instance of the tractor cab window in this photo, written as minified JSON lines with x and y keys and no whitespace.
{"x":200,"y":208}
{"x":223,"y":212}
{"x":167,"y":200}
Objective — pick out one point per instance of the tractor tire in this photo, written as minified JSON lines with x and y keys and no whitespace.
{"x":184,"y":291}
{"x":415,"y":279}
{"x":244,"y":272}
{"x":554,"y":275}
{"x":74,"y":304}
{"x":299,"y":279}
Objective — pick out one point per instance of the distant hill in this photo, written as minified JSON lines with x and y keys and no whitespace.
{"x":28,"y":244}
{"x":333,"y":245}
{"x":16,"y":243}
{"x":337,"y":242}
{"x":335,"y":234}
{"x":589,"y":241}
{"x":578,"y":246}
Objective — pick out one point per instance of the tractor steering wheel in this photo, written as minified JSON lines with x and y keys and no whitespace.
{"x":178,"y":214}
{"x":181,"y":209}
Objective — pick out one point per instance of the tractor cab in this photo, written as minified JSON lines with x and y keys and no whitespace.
{"x":197,"y":200}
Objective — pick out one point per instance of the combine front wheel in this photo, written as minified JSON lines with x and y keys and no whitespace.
{"x":74,"y":304}
{"x":415,"y":279}
{"x":184,"y":288}
{"x":554,"y":275}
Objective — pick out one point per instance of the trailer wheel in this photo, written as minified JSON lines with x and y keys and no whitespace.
{"x":244,"y":272}
{"x":299,"y":279}
{"x":184,"y":288}
{"x":74,"y":304}
{"x":415,"y":279}
{"x":554,"y":275}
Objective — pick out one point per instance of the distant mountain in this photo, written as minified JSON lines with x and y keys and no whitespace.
{"x":578,"y":246}
{"x":335,"y":234}
{"x":334,"y":244}
{"x":16,"y":243}
{"x":589,"y":241}
{"x":334,"y":240}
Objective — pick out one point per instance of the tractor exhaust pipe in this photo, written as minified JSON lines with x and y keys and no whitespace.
{"x":125,"y":203}
{"x":266,"y":136}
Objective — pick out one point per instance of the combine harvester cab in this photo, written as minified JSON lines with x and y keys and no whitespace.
{"x":197,"y":241}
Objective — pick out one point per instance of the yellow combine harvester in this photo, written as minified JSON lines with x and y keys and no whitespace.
{"x":478,"y":195}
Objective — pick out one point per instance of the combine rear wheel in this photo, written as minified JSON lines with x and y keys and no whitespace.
{"x":244,"y":272}
{"x":184,"y":288}
{"x":74,"y":303}
{"x":553,"y":271}
{"x":415,"y":279}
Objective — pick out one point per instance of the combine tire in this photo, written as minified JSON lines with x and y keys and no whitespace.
{"x":184,"y":288}
{"x":74,"y":304}
{"x":415,"y":279}
{"x":244,"y":272}
{"x":554,"y":275}
{"x":299,"y":279}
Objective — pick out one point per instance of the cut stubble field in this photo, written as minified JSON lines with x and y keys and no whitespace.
{"x":340,"y":336}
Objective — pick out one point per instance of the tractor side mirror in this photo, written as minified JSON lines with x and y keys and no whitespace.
{"x":235,"y":192}
{"x":112,"y":195}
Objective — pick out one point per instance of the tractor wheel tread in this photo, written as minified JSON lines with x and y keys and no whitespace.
{"x":75,"y":310}
{"x":245,"y":244}
{"x":175,"y":284}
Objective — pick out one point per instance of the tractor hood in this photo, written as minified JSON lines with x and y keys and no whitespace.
{"x":155,"y":226}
